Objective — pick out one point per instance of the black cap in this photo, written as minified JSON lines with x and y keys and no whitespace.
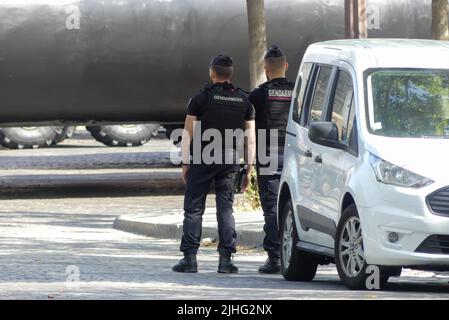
{"x":222,"y":61}
{"x":274,"y":52}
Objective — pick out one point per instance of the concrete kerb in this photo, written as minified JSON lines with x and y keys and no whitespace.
{"x":249,"y":229}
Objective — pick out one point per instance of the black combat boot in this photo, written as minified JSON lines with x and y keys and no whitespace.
{"x":271,"y":266}
{"x":187,"y":264}
{"x":226,"y":265}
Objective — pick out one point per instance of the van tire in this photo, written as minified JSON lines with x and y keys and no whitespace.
{"x":358,"y":282}
{"x":302,"y":265}
{"x":27,"y":137}
{"x":123,"y":135}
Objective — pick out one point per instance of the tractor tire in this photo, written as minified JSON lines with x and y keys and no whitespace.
{"x":124,"y":135}
{"x":27,"y":137}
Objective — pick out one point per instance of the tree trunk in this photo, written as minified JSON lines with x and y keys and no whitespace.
{"x":257,"y":41}
{"x":356,"y":24}
{"x":440,"y":29}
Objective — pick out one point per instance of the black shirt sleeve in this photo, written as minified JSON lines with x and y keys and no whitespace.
{"x":253,"y":97}
{"x":195,"y":106}
{"x":257,"y":98}
{"x":250,"y":113}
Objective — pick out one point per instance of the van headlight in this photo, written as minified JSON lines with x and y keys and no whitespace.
{"x":389,"y":173}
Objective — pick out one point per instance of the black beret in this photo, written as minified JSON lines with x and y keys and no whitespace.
{"x":222,"y":61}
{"x":274,"y":52}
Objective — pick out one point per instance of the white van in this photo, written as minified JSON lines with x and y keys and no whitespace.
{"x":366,"y":164}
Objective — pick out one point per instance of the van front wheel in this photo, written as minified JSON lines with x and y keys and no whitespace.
{"x":350,"y":255}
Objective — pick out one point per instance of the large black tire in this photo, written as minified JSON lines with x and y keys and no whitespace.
{"x":301,"y":266}
{"x":27,"y":137}
{"x":63,"y":133}
{"x":357,"y":282}
{"x":124,"y":135}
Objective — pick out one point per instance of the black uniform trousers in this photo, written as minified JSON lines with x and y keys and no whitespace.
{"x":199,"y":179}
{"x":268,"y":192}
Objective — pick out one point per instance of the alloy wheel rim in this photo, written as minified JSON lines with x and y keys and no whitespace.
{"x":287,"y":240}
{"x":352,"y":256}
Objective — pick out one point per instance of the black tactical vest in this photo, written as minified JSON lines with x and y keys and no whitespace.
{"x":225,"y":111}
{"x":278,"y":96}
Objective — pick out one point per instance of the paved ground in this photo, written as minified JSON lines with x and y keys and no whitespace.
{"x":46,"y":239}
{"x":42,"y":239}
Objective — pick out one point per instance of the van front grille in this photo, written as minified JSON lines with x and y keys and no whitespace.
{"x":439,"y":202}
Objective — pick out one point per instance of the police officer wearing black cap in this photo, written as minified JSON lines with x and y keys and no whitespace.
{"x":271,"y":102}
{"x":219,"y":108}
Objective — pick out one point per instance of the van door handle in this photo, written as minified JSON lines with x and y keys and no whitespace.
{"x":318,"y":159}
{"x":308,"y":154}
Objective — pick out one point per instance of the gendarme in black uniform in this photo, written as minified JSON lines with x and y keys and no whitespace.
{"x":271,"y":102}
{"x":218,"y":106}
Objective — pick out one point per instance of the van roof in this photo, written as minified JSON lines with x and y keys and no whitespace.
{"x":372,"y":53}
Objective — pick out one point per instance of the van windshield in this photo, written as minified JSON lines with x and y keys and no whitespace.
{"x":411,"y":103}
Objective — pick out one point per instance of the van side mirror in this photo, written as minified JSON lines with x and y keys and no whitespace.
{"x":325,"y":134}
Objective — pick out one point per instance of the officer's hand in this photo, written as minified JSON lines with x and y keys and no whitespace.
{"x":246,"y":181}
{"x":185,"y":171}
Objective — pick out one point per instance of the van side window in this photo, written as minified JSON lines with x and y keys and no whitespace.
{"x":319,"y":95}
{"x":342,"y":106}
{"x":303,"y":80}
